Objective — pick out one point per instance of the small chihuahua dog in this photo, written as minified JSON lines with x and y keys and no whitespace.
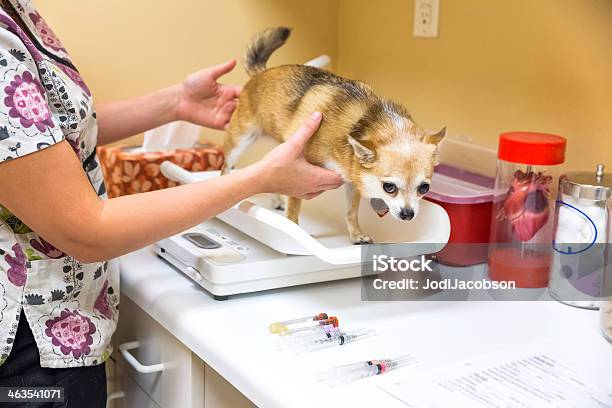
{"x":373,"y":143}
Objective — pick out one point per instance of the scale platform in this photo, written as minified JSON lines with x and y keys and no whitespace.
{"x":251,"y":247}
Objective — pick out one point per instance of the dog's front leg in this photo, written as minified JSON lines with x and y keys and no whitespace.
{"x":237,"y":139}
{"x":353,"y":198}
{"x":278,"y":202}
{"x":293,"y":208}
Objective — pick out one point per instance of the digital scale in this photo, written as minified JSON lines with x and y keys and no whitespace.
{"x":251,"y":248}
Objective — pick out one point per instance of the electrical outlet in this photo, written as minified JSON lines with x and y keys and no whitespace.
{"x":426,"y":16}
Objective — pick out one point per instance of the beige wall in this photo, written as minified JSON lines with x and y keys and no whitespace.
{"x":498,"y":64}
{"x":543,"y":65}
{"x":127,"y":47}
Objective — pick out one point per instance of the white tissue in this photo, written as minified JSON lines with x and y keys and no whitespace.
{"x":174,"y":135}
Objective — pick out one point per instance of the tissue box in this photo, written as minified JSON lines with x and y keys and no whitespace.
{"x":128,"y":170}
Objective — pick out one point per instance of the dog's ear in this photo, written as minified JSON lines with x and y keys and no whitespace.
{"x":365,"y":155}
{"x":436,"y":138}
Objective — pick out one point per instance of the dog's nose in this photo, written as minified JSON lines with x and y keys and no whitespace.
{"x":407,"y":214}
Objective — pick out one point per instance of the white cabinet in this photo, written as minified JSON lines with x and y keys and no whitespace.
{"x":155,"y":363}
{"x":134,"y":396}
{"x":218,"y":393}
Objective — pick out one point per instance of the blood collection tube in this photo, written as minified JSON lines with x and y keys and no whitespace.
{"x":275,"y":328}
{"x":318,"y":325}
{"x":316,"y":331}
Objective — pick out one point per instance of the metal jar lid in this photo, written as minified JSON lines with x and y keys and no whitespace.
{"x":595,"y":185}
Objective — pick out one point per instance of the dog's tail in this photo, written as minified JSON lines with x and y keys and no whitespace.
{"x":262,"y":46}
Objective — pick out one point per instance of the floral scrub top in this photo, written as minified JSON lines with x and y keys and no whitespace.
{"x":71,"y":307}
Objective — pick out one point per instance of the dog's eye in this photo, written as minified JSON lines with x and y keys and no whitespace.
{"x":389,"y":187}
{"x":423,"y":188}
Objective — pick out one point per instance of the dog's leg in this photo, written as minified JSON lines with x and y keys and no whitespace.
{"x":294,"y":206}
{"x":236,"y":142}
{"x":278,"y":202}
{"x":353,"y":198}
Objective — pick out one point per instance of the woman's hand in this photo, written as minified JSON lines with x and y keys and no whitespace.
{"x":204,"y":101}
{"x":284,"y":170}
{"x":199,"y":99}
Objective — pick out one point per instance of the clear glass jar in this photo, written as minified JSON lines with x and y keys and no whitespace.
{"x":606,"y":281}
{"x":606,"y":319}
{"x":523,"y":207}
{"x":580,"y":234}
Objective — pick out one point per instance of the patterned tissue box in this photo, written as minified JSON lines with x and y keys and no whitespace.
{"x":130,"y":171}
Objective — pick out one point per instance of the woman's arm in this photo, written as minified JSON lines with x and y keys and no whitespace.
{"x":120,"y":119}
{"x":50,"y":193}
{"x":199,"y":99}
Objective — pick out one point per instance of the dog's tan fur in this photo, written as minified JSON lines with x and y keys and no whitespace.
{"x":368,"y":140}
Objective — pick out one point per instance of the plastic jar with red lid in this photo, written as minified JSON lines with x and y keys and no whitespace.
{"x":527,"y":174}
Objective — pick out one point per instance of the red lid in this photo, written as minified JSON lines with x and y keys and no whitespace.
{"x":531,"y":148}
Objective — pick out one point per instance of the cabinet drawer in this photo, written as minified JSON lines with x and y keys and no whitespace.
{"x":180,"y":382}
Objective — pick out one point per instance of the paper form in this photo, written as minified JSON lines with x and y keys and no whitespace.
{"x":541,"y":378}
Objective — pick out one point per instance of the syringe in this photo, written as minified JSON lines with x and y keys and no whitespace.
{"x":286,"y":331}
{"x":353,"y":372}
{"x":339,"y":339}
{"x":306,"y":337}
{"x":275,"y":328}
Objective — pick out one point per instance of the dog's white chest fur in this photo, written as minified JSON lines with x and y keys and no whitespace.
{"x":334,"y":166}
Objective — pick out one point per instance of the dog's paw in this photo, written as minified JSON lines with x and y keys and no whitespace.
{"x":362,"y":239}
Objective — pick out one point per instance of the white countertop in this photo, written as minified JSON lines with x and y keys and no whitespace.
{"x":232,"y":336}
